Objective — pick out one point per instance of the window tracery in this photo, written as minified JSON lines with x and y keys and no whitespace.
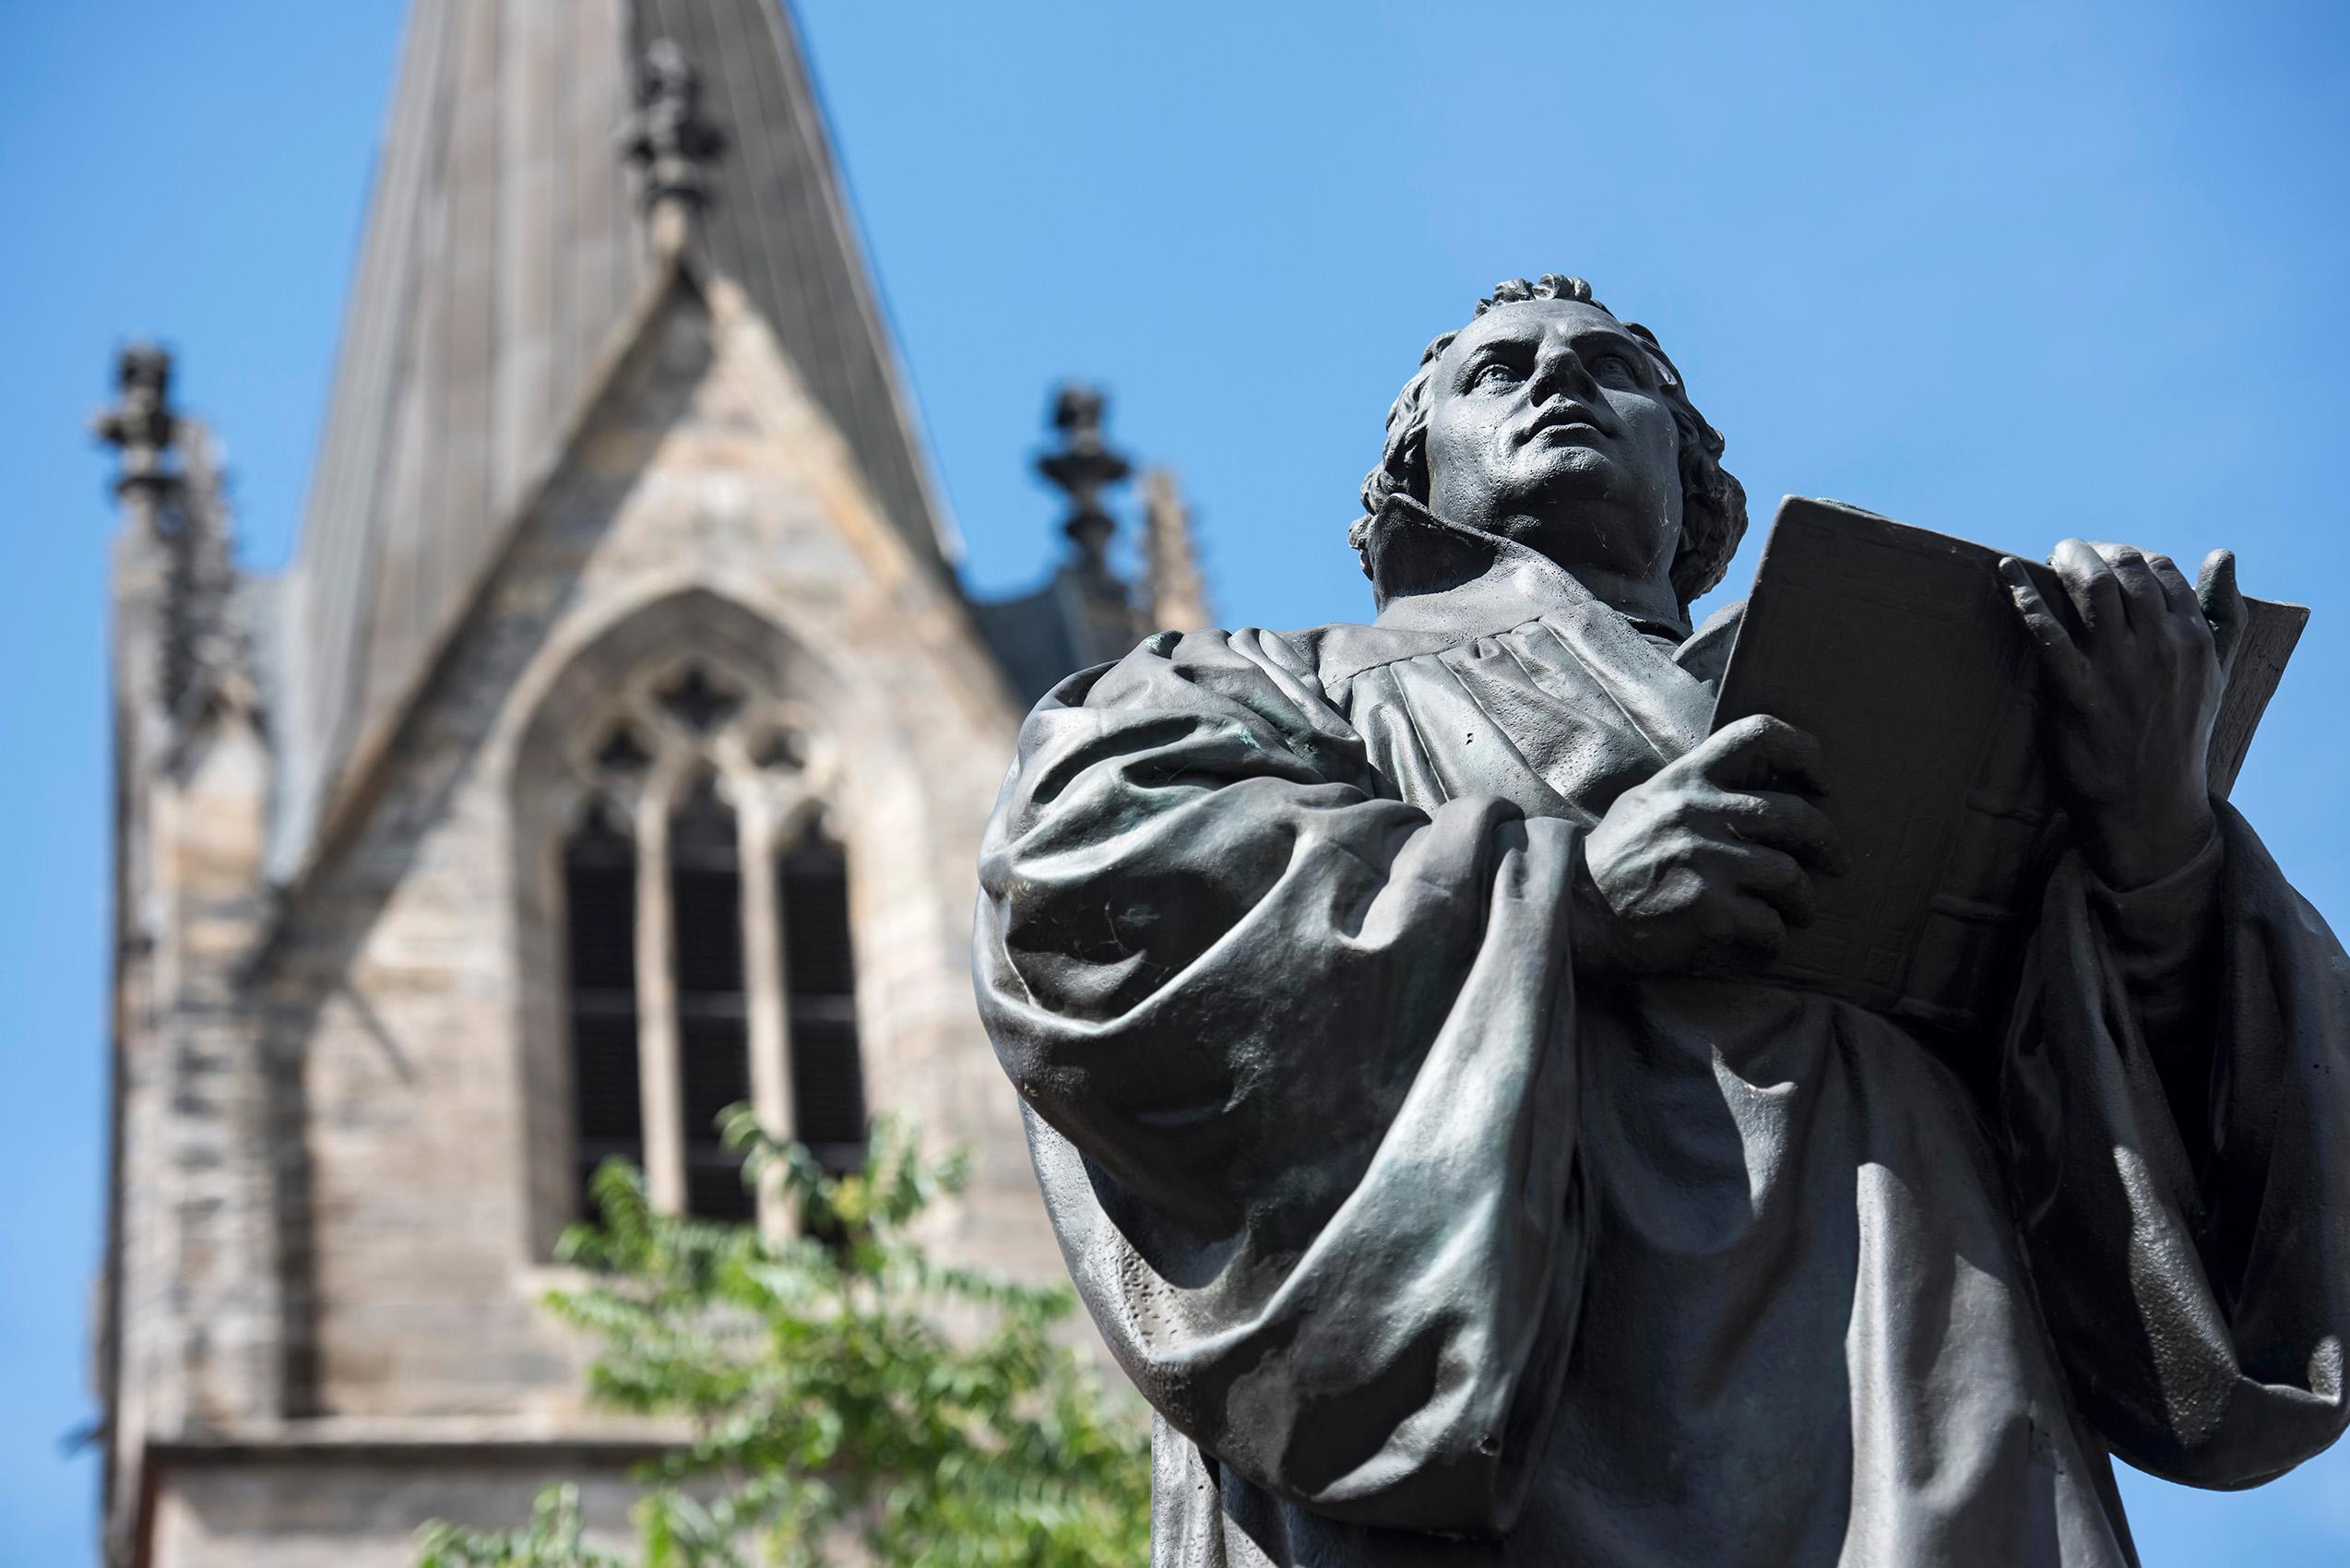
{"x":708,"y":912}
{"x":701,"y":703}
{"x":623,"y":754}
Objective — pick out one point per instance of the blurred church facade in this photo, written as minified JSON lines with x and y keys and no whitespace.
{"x":615,"y":748}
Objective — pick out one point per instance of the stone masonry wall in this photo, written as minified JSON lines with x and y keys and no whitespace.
{"x":403,"y":998}
{"x":364,"y":1513}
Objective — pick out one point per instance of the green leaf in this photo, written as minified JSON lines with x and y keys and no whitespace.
{"x":833,"y":1417}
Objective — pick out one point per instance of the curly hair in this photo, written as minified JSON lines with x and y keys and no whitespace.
{"x":1713,"y":502}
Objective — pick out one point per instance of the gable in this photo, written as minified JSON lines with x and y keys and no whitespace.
{"x":502,"y":251}
{"x":702,"y":458}
{"x":704,"y":513}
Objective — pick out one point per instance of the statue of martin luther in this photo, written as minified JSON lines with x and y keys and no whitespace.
{"x":1381,"y":998}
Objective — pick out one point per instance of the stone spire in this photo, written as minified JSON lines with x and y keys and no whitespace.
{"x":1082,"y":466}
{"x":191,"y":1333}
{"x":669,"y":140}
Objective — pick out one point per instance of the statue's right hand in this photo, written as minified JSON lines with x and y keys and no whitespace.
{"x":1702,"y":869}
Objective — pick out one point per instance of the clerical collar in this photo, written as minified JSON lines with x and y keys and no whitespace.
{"x":1430,"y":573}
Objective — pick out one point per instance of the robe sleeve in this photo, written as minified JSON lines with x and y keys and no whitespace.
{"x":2185,"y":1201}
{"x":1296,"y":1059}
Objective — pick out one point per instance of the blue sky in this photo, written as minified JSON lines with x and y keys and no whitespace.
{"x":2011,"y":271}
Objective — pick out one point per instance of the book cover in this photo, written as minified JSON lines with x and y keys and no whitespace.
{"x":1902,"y":651}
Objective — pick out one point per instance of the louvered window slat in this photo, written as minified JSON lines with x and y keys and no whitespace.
{"x":599,"y":907}
{"x":820,"y":975}
{"x":713,"y":1060}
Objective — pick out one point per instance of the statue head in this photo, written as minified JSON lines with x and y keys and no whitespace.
{"x":1549,"y":421}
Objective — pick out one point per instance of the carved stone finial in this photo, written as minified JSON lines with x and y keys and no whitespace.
{"x":669,"y":139}
{"x":1082,"y":466}
{"x":1173,"y":586}
{"x":179,"y":576}
{"x":141,"y":425}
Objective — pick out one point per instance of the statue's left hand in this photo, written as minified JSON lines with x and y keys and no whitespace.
{"x":2131,"y":697}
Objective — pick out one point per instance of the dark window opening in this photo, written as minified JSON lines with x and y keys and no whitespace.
{"x":600,"y":906}
{"x":820,"y":996}
{"x":700,"y":702}
{"x":713,"y":1019}
{"x":623,"y":754}
{"x":786,"y":751}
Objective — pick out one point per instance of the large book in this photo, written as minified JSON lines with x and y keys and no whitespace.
{"x":1901,"y":651}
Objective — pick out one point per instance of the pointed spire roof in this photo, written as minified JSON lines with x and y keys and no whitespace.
{"x":505,"y":247}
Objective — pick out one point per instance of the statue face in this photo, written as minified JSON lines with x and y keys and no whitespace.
{"x":1546,"y":424}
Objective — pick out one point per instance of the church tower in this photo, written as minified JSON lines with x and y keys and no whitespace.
{"x":615,"y":748}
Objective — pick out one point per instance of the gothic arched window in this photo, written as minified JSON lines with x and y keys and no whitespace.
{"x":734,"y":890}
{"x":820,"y":989}
{"x":599,"y":892}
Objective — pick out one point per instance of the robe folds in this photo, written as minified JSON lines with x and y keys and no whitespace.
{"x":1425,"y":1252}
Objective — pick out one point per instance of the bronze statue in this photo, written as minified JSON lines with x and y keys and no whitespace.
{"x":1428,"y":1142}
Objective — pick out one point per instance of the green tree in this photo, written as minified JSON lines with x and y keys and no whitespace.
{"x":850,"y":1399}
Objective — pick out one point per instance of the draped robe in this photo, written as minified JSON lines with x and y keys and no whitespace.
{"x":1427,"y":1252}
